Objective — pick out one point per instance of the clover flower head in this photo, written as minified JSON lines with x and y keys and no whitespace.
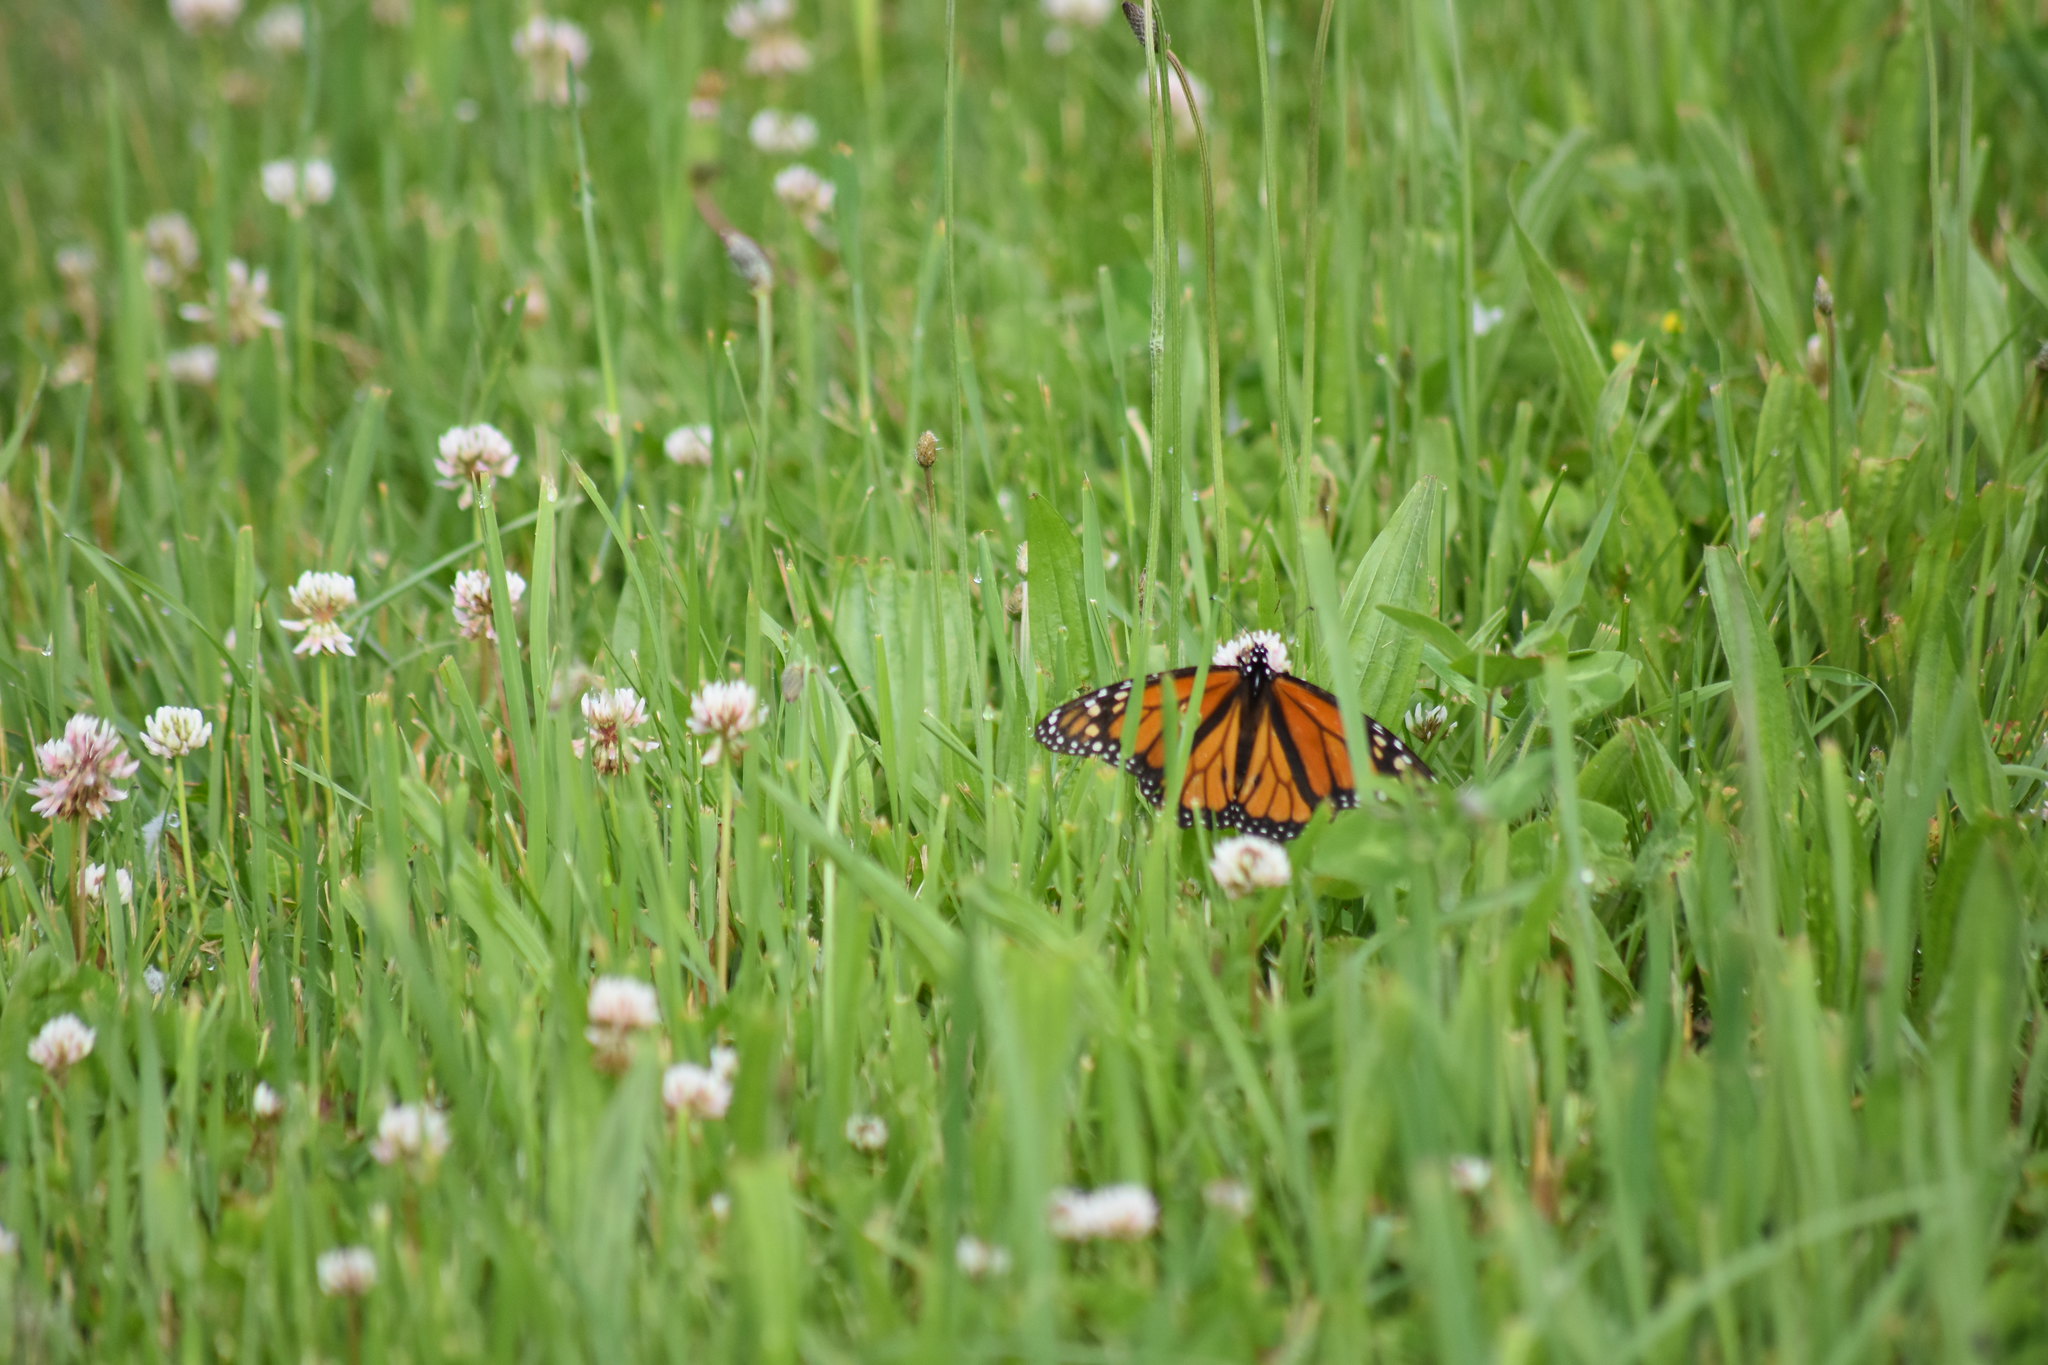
{"x":415,"y":1134}
{"x":1469,"y":1174}
{"x":473,"y":619}
{"x":347,"y":1272}
{"x":1248,"y":863}
{"x":619,"y":1007}
{"x":296,"y":186}
{"x":1079,"y":13}
{"x":198,"y":366}
{"x":728,"y":711}
{"x":280,"y":30}
{"x":175,"y":731}
{"x":782,"y":134}
{"x":688,"y":445}
{"x":1118,"y":1213}
{"x":867,"y":1132}
{"x":173,"y":249}
{"x":779,"y":53}
{"x":204,"y":16}
{"x":246,"y":311}
{"x":697,"y":1092}
{"x":80,"y":769}
{"x":470,"y":456}
{"x":266,"y":1103}
{"x":1253,"y":649}
{"x":320,"y":599}
{"x":805,"y":193}
{"x":1426,"y":722}
{"x":609,"y":718}
{"x":62,"y":1043}
{"x":979,"y":1260}
{"x":551,"y":49}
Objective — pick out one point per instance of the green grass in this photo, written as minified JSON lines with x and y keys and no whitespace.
{"x":1721,"y":939}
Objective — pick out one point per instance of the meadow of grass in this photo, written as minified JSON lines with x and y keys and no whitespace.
{"x":1691,"y":1016}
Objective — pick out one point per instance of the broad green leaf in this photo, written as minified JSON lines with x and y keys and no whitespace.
{"x":1763,"y":714}
{"x":1578,"y":359}
{"x":1823,"y":560}
{"x":1763,"y":261}
{"x":1059,"y":620}
{"x":1396,"y":572}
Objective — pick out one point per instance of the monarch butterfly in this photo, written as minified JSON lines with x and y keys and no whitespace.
{"x":1268,"y":749}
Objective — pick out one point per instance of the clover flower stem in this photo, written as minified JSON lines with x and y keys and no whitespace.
{"x":78,"y":929}
{"x":327,"y":771}
{"x":184,"y":856}
{"x":723,"y":948}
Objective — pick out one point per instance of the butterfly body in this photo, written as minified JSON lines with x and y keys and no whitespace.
{"x":1268,"y":747}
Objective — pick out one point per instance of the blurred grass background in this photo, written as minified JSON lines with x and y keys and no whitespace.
{"x":1720,"y":945}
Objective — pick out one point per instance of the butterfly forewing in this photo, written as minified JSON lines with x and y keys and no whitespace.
{"x":1261,"y":759}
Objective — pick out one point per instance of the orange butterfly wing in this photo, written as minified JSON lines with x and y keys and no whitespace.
{"x":1259,"y":764}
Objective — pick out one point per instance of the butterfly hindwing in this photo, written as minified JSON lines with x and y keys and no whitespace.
{"x":1261,"y":760}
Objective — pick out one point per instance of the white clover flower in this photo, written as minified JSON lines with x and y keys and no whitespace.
{"x":727,"y":710}
{"x":805,"y":193}
{"x":725,"y":1062}
{"x":696,"y":1092}
{"x":320,"y":599}
{"x":173,"y":249}
{"x":779,"y":134}
{"x":689,"y":445}
{"x":867,"y":1132}
{"x":1253,"y":649}
{"x":124,"y":886}
{"x":609,"y":719}
{"x":266,"y":1104}
{"x":247,"y":312}
{"x":1122,"y":1213}
{"x":1247,"y":863}
{"x":76,"y":366}
{"x":63,"y":1043}
{"x":298,"y":185}
{"x":198,"y":366}
{"x":92,"y":882}
{"x":154,"y":980}
{"x":471,"y":455}
{"x":280,"y":30}
{"x":80,"y":769}
{"x":619,"y":1007}
{"x":201,"y":16}
{"x":1470,"y":1174}
{"x":719,"y":1206}
{"x":751,"y":18}
{"x":416,"y":1134}
{"x":979,"y":1260}
{"x":1425,"y":723}
{"x":780,"y":53}
{"x":1079,"y":13}
{"x":620,"y":1004}
{"x":1485,"y":319}
{"x":77,"y":264}
{"x":551,"y":49}
{"x":347,"y":1272}
{"x":473,"y":617}
{"x":175,"y":731}
{"x":1231,"y":1197}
